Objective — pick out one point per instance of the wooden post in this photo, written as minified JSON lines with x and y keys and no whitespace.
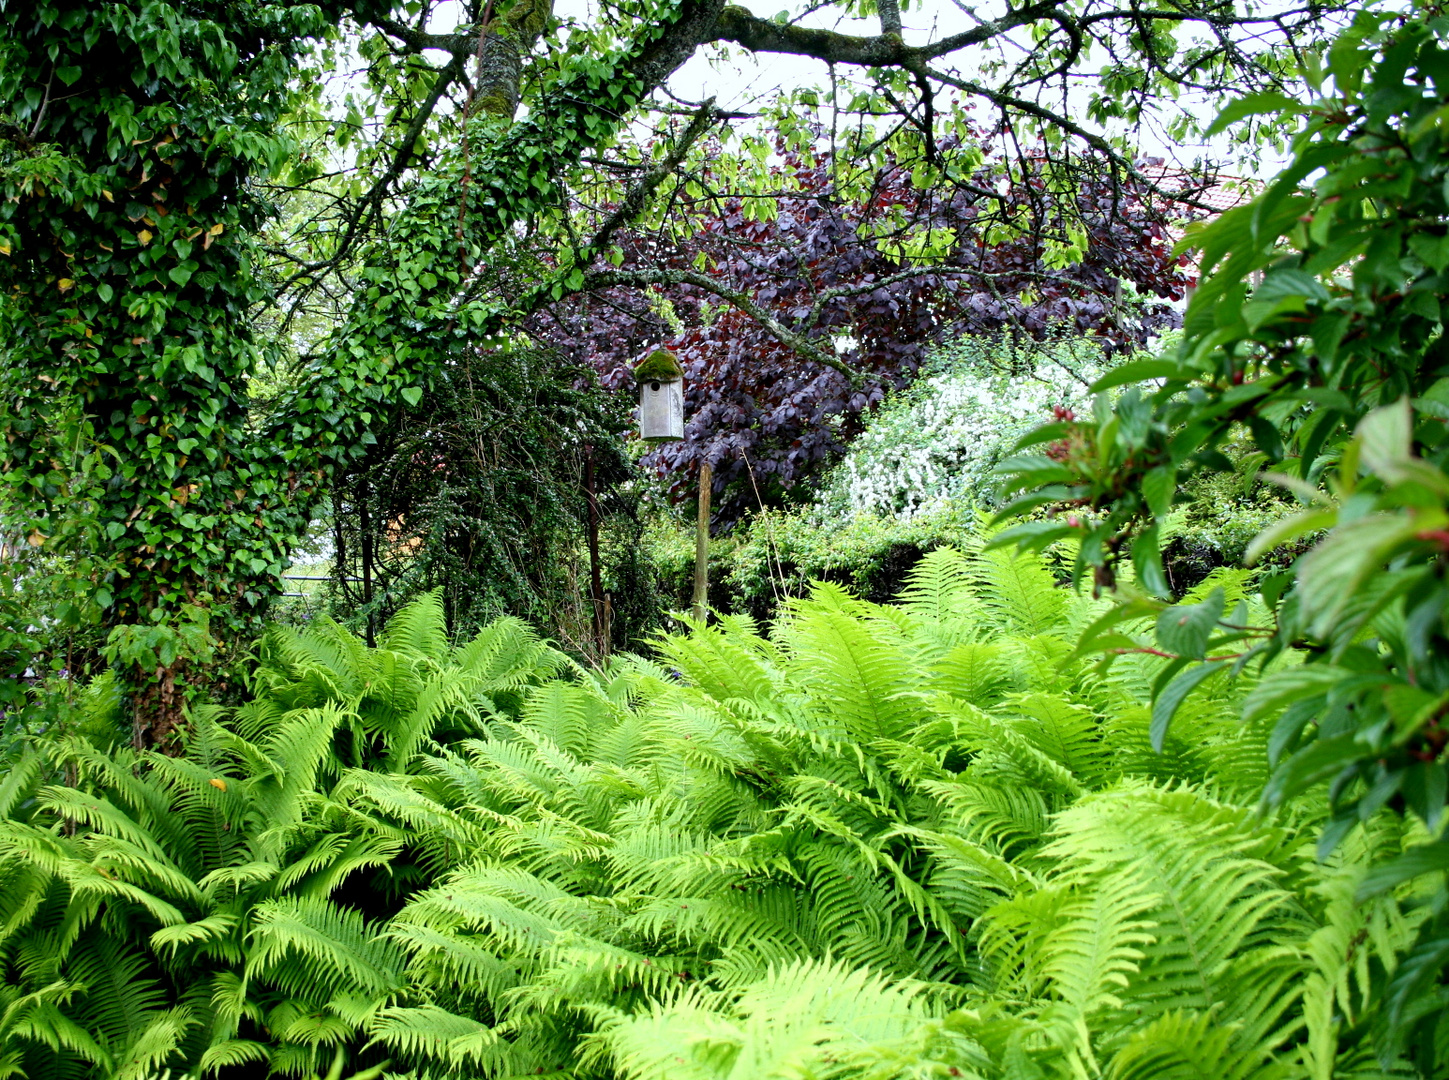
{"x":701,"y":544}
{"x":596,"y":578}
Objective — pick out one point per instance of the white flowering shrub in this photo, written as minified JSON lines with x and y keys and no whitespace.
{"x":937,"y":442}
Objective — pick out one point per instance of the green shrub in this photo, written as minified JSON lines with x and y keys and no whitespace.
{"x":50,"y":644}
{"x":775,"y":556}
{"x":915,"y":479}
{"x":1319,"y":326}
{"x":937,"y":443}
{"x":1218,"y":517}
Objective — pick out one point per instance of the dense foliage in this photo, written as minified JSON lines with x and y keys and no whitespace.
{"x":127,"y":265}
{"x":1335,"y":365}
{"x":817,"y":306}
{"x":940,"y":442}
{"x":484,"y":492}
{"x":777,"y":556}
{"x":186,"y":216}
{"x":885,"y":841}
{"x":986,"y":831}
{"x":156,"y":120}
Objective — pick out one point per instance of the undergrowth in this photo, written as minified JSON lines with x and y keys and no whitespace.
{"x":906,"y":840}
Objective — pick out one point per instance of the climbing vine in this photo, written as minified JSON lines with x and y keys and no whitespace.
{"x":414,"y":306}
{"x":127,"y":269}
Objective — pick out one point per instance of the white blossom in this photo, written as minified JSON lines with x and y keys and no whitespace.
{"x":940,"y":440}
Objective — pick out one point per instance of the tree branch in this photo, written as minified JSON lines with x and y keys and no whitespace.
{"x":632,"y":204}
{"x":371,"y":203}
{"x":606,"y":279}
{"x":742,"y":27}
{"x":890,"y":17}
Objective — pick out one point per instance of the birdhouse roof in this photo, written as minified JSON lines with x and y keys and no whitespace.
{"x":662,"y":365}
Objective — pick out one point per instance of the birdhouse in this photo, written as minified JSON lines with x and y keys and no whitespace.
{"x":661,"y":397}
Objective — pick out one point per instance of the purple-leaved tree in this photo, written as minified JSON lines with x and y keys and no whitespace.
{"x":791,"y":325}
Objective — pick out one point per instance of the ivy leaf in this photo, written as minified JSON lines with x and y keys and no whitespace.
{"x":412,"y":394}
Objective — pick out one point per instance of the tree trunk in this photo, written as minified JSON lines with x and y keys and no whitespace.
{"x":158,"y":707}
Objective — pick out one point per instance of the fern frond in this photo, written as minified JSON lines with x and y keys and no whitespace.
{"x":120,"y":999}
{"x":311,"y":947}
{"x":1218,"y":911}
{"x":723,"y":661}
{"x":807,"y":1018}
{"x":941,"y":593}
{"x":213,"y":926}
{"x":230,"y":1053}
{"x":1018,"y":594}
{"x":1182,"y":1045}
{"x":20,"y":781}
{"x":860,"y":687}
{"x":1067,"y":733}
{"x":967,"y":876}
{"x":507,"y":655}
{"x":1089,"y":956}
{"x":38,"y":1018}
{"x":434,"y":1035}
{"x":154,"y":1045}
{"x":419,"y":629}
{"x":1005,"y":817}
{"x":559,"y":712}
{"x":291,"y":758}
{"x":1004,"y":747}
{"x":976,"y":672}
{"x":446,"y":694}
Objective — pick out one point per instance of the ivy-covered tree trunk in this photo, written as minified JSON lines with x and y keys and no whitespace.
{"x":127,"y":264}
{"x":130,"y":132}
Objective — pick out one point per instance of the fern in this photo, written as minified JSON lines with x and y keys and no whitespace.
{"x":883,"y":841}
{"x":1018,"y":594}
{"x":807,"y":1018}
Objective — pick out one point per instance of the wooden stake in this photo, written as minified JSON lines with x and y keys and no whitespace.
{"x":596,"y":580}
{"x":701,"y":544}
